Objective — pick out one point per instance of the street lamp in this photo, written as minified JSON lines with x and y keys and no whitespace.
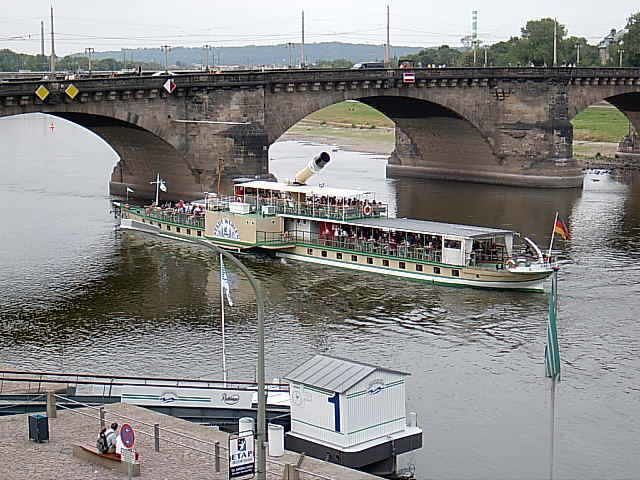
{"x":262,"y":411}
{"x":206,"y":51}
{"x":621,"y":50}
{"x":89,"y":51}
{"x":577,"y":54}
{"x":166,"y":49}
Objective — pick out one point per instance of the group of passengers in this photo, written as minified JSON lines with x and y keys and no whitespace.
{"x":365,"y":238}
{"x":183,"y":207}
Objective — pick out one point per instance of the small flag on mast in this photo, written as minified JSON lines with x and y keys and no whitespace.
{"x":129,"y":190}
{"x":561,"y":229}
{"x":225,"y":282}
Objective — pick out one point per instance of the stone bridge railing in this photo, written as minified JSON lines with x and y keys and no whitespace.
{"x":23,"y":92}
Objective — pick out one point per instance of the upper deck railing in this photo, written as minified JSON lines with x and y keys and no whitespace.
{"x":280,"y":206}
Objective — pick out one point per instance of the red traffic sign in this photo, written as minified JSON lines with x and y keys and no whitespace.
{"x":169,"y":85}
{"x":409,"y":77}
{"x":127,"y":435}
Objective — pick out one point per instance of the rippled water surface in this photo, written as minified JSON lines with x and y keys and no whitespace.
{"x":80,"y":297}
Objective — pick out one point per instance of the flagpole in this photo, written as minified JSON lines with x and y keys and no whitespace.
{"x":553,"y":232}
{"x":554,"y":296}
{"x":127,"y":194}
{"x":157,"y":189}
{"x":224,"y":350}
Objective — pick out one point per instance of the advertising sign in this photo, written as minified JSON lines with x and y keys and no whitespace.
{"x":242,"y":459}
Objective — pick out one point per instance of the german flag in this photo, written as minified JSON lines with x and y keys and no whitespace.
{"x":561,"y":229}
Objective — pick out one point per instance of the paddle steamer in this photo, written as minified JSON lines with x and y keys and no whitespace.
{"x":350,"y":229}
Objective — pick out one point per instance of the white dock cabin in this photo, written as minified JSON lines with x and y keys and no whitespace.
{"x":346,"y":404}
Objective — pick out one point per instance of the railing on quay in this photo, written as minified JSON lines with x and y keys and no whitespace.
{"x":215,"y":447}
{"x":163,"y":215}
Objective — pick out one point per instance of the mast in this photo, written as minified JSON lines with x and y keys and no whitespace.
{"x":387,"y":50}
{"x":302,"y":44}
{"x":42,"y":37}
{"x":53,"y":46}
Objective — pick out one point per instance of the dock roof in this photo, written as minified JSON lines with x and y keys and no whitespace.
{"x":427,"y":226}
{"x":333,"y":373}
{"x":306,"y":189}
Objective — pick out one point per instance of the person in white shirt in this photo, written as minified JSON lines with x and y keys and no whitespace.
{"x":111,"y":437}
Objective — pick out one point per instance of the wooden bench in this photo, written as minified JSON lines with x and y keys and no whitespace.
{"x":107,"y":460}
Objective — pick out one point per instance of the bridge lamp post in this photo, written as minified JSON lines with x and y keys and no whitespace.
{"x":262,"y":410}
{"x":166,"y":49}
{"x":621,"y":50}
{"x":206,"y":52}
{"x":89,"y":52}
{"x":578,"y":55}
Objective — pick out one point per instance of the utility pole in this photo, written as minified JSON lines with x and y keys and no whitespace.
{"x":474,"y":34}
{"x":290,"y":46}
{"x":485,"y":56}
{"x":206,"y":53}
{"x":42,"y":37}
{"x":302,"y":44}
{"x":166,"y":49}
{"x":555,"y":42}
{"x":577,"y":55}
{"x":53,"y":47}
{"x":387,"y":47}
{"x":89,"y":51}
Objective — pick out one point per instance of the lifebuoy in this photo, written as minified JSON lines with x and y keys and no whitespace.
{"x":238,"y":198}
{"x":367,"y":210}
{"x":511,"y":263}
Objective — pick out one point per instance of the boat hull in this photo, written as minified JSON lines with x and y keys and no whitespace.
{"x":497,"y":281}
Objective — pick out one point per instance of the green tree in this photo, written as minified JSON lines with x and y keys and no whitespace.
{"x":538,"y":38}
{"x":631,"y":39}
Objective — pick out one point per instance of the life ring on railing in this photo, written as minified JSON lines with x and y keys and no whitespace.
{"x":238,"y":198}
{"x":510,"y":263}
{"x":367,"y":210}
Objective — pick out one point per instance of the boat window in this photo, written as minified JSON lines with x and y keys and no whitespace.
{"x":168,"y":228}
{"x":354,"y":258}
{"x":324,"y":253}
{"x":339,"y":256}
{"x":455,"y":244}
{"x":178,"y":229}
{"x":188,"y":231}
{"x":401,"y":265}
{"x":385,"y":263}
{"x":199,"y":233}
{"x":310,"y":251}
{"x":455,"y":273}
{"x":436,"y":270}
{"x":418,"y":268}
{"x":370,"y":260}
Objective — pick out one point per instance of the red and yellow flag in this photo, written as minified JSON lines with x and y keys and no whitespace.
{"x":561,"y":229}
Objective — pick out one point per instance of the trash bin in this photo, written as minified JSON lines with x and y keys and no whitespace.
{"x":38,"y":428}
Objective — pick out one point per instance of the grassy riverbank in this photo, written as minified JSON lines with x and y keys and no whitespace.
{"x":357,"y":126}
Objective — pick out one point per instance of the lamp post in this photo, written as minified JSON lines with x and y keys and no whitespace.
{"x":621,"y":50}
{"x":89,"y":52}
{"x":166,"y":49}
{"x":206,"y":52}
{"x":262,"y":414}
{"x":577,"y":54}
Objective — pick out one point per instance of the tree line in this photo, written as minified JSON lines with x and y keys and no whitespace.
{"x":11,"y":61}
{"x":534,"y":47}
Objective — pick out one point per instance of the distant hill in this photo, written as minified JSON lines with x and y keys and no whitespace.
{"x":260,"y":54}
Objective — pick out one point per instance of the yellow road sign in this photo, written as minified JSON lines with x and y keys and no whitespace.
{"x":71,"y":91}
{"x":42,"y":92}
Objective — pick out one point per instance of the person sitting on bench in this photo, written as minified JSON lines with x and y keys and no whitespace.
{"x":111,"y":438}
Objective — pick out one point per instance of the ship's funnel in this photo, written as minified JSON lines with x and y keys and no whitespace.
{"x":314,"y":166}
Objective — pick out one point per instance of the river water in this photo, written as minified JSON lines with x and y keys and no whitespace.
{"x":77,"y":296}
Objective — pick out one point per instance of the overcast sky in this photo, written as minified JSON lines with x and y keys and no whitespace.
{"x":116,"y":24}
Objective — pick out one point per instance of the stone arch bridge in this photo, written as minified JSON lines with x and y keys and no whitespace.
{"x":506,"y":126}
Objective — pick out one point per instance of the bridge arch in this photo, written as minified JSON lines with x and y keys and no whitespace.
{"x":627,"y":102}
{"x":431,"y":135}
{"x":142,"y":154}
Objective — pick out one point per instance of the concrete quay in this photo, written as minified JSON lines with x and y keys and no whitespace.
{"x":23,"y":459}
